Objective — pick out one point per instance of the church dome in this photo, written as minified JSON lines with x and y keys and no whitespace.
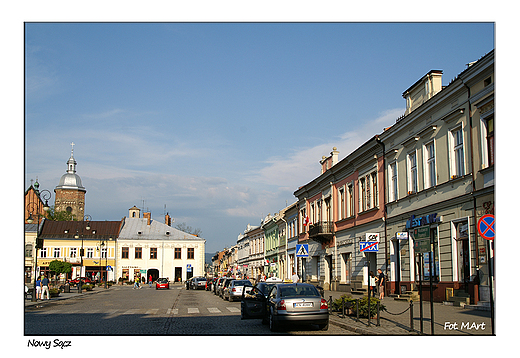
{"x":71,"y":180}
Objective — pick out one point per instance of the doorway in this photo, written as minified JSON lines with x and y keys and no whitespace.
{"x":154,"y":273}
{"x":178,"y":274}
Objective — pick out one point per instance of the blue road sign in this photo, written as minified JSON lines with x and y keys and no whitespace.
{"x":486,"y":227}
{"x":302,"y":250}
{"x":369,"y":246}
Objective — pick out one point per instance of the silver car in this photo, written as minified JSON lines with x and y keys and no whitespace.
{"x":198,"y":283}
{"x":296,"y":303}
{"x":235,"y":288}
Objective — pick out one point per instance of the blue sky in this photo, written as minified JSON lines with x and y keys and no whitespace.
{"x":220,"y":122}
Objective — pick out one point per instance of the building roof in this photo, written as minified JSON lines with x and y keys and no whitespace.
{"x":67,"y":229}
{"x":138,"y":229}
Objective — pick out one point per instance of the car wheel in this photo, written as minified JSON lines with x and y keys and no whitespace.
{"x":273,"y":326}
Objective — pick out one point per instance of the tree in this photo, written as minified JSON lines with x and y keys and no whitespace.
{"x":189,"y":229}
{"x":54,"y":215}
{"x":59,"y":267}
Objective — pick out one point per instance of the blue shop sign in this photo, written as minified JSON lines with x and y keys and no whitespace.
{"x":422,"y":220}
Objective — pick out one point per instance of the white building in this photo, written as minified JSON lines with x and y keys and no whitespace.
{"x":148,"y":247}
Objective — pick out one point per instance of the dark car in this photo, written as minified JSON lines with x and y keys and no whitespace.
{"x":253,"y":303}
{"x":162,"y":283}
{"x":198,"y":283}
{"x":217,"y":284}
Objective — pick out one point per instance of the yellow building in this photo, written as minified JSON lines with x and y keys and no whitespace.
{"x":90,"y":246}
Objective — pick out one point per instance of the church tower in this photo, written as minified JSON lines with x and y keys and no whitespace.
{"x":70,"y":193}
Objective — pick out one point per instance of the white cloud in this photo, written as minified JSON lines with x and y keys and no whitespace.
{"x":302,"y":165}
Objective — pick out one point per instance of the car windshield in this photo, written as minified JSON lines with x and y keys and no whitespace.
{"x":266,"y":287}
{"x":242,"y":283}
{"x":298,"y":291}
{"x":162,"y":280}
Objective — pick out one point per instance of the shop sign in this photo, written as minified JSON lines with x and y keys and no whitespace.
{"x":422,"y":220}
{"x":401,"y":235}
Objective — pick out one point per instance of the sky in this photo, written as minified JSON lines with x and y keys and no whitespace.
{"x":218,"y":123}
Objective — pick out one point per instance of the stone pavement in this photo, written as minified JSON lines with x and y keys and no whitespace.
{"x":448,"y":320}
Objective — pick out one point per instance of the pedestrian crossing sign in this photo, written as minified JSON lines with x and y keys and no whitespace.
{"x":302,"y":250}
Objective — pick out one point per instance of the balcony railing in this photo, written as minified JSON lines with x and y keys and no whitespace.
{"x":322,"y":231}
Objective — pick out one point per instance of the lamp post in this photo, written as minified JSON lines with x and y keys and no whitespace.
{"x":101,"y":247}
{"x":88,"y":218}
{"x":46,"y":195}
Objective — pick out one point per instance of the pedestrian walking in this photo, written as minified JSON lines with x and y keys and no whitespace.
{"x":372,"y":284}
{"x":136,"y":282}
{"x":295,"y":278}
{"x":38,"y":288}
{"x":45,"y":287}
{"x":381,"y":282}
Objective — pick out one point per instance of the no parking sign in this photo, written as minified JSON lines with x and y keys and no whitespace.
{"x":486,"y":227}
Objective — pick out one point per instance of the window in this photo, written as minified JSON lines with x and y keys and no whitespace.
{"x":90,"y":252}
{"x":368,"y":191}
{"x":73,"y":252}
{"x":430,"y":177}
{"x":350,"y":200}
{"x":104,"y":253}
{"x":490,"y":138}
{"x":56,"y":252}
{"x":392,"y":194}
{"x":125,"y":253}
{"x":153,"y":253}
{"x":177,"y":253}
{"x":28,"y":250}
{"x":341,"y":201}
{"x":191,"y":253}
{"x":138,"y":252}
{"x":412,"y":173}
{"x":457,"y":153}
{"x":43,"y":252}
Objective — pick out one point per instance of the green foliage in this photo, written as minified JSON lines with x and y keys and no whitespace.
{"x":59,"y":215}
{"x":363,"y":305}
{"x":60,"y":267}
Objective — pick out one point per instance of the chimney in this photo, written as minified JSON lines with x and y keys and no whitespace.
{"x":168,"y":220}
{"x":334,"y":155}
{"x":148,"y":217}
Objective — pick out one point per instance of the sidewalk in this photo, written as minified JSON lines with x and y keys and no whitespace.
{"x":448,"y":320}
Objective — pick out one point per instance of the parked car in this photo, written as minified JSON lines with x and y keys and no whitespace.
{"x":295,"y":304}
{"x":210,"y":283}
{"x":253,"y":302}
{"x":162,"y":283}
{"x":198,"y":283}
{"x":285,"y":305}
{"x":235,"y":288}
{"x":218,"y":284}
{"x":225,"y":286}
{"x":83,"y":280}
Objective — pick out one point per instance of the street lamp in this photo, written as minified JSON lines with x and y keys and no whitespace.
{"x":46,"y":195}
{"x":88,"y":218}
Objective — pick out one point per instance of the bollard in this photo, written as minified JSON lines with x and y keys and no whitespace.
{"x":369,"y":312}
{"x":378,"y":315}
{"x":357,"y":309}
{"x":411,"y":316}
{"x":343,"y":306}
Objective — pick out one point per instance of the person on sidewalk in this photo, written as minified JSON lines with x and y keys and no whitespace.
{"x":381,"y":283}
{"x":295,"y":278}
{"x":45,"y":287}
{"x":38,"y":288}
{"x":150,"y":281}
{"x":372,"y":284}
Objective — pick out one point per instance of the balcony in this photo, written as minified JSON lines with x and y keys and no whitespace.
{"x":322,"y":231}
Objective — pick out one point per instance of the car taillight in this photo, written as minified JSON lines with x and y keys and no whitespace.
{"x":324,"y":305}
{"x":280,"y":306}
{"x":234,"y":289}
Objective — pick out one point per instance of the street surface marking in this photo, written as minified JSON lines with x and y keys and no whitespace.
{"x":233,"y":309}
{"x":152,"y":311}
{"x":193,"y":310}
{"x":132,"y":311}
{"x":214,"y":310}
{"x":172,"y":311}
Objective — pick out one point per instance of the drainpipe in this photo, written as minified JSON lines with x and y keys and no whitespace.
{"x":473,"y":173}
{"x":380,"y":142}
